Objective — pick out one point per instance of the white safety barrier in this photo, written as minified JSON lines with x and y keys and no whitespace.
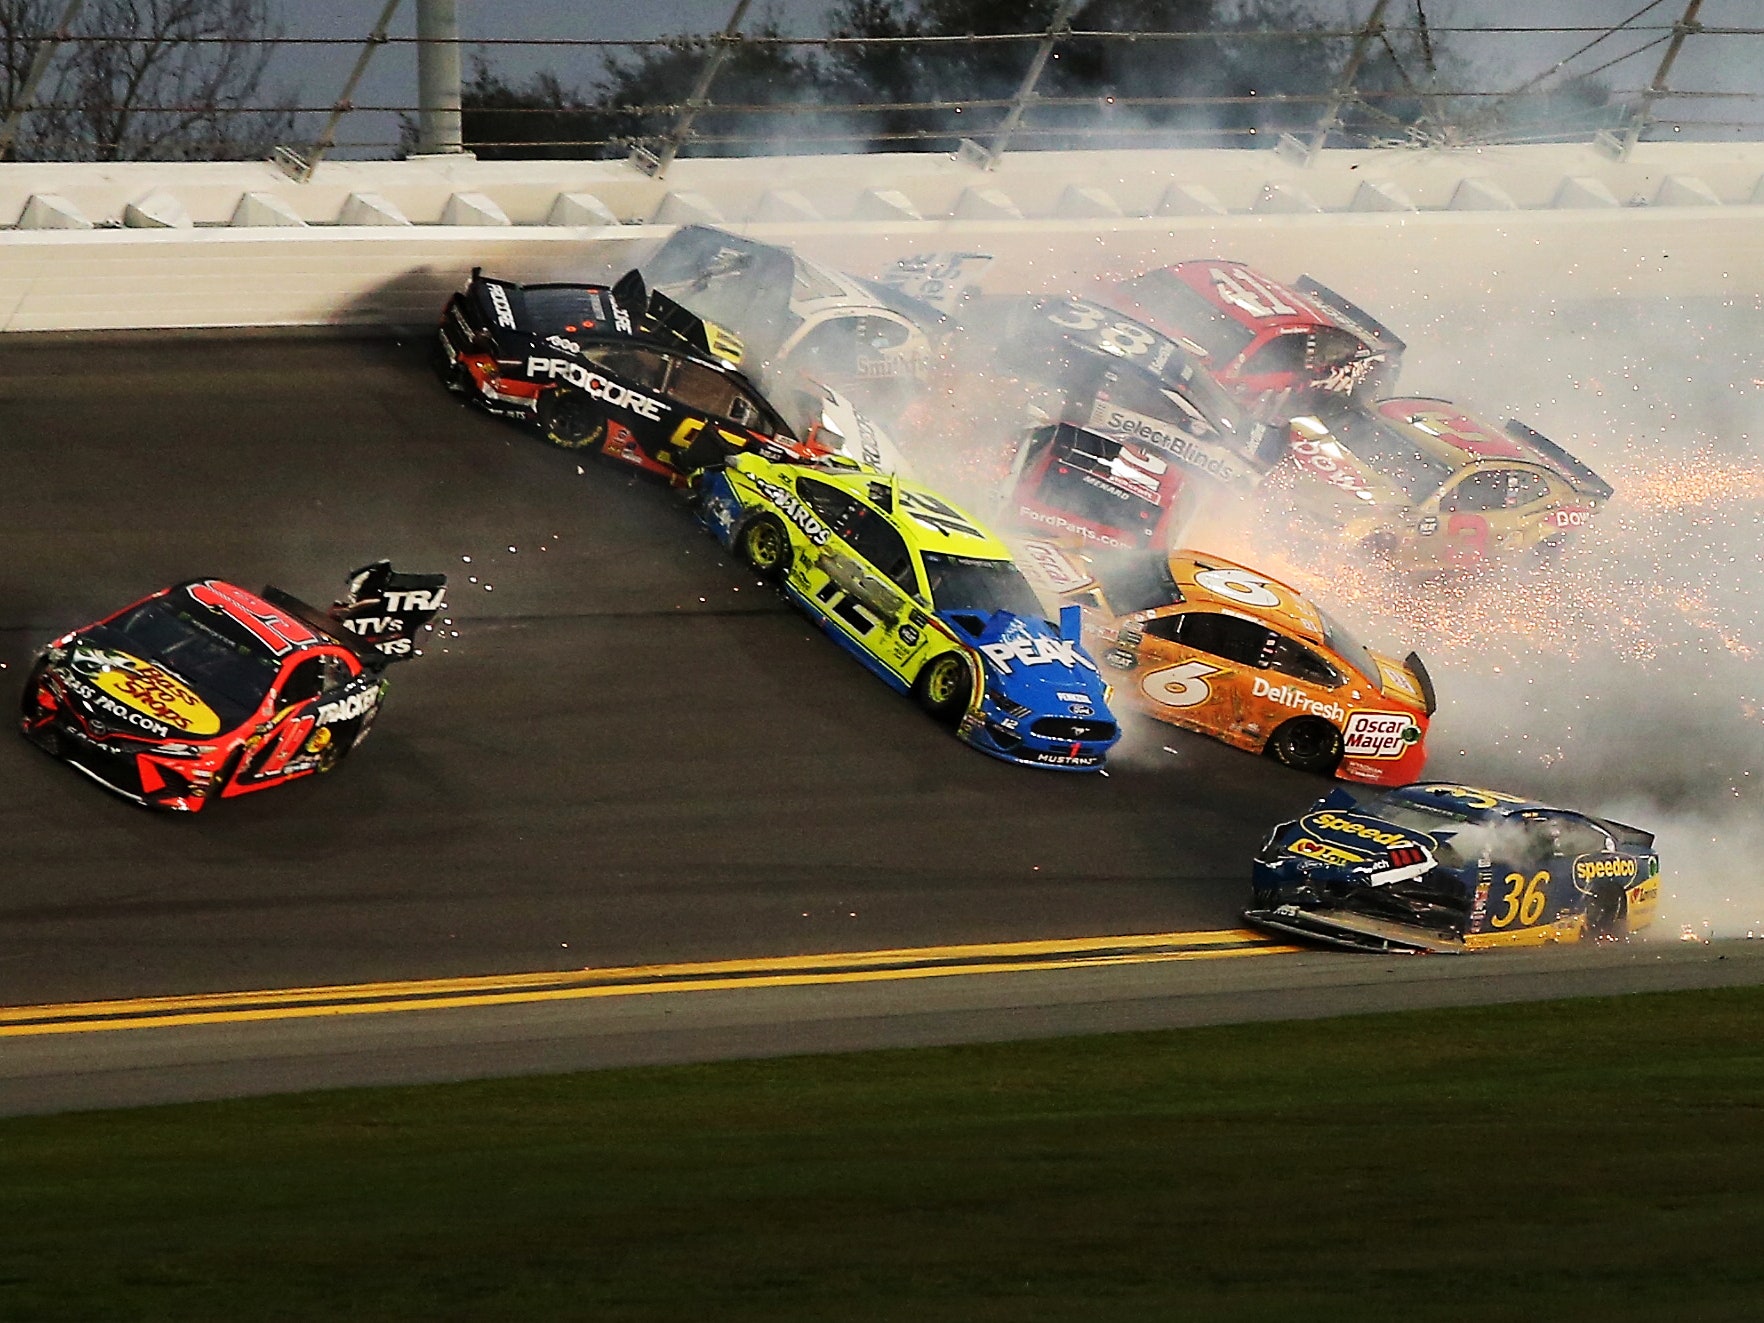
{"x":378,"y":243}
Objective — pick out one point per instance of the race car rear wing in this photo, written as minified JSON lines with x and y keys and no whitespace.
{"x":1584,"y":479}
{"x":664,"y":317}
{"x":380,"y":616}
{"x":1351,"y":317}
{"x":1627,"y":837}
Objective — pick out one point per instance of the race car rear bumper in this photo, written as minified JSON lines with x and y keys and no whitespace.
{"x":1348,"y":931}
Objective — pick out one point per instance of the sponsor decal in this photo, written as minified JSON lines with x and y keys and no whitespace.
{"x":620,"y":318}
{"x":1120,"y":424}
{"x":1065,"y":760}
{"x":562,"y":343}
{"x":1080,"y":709}
{"x":141,"y":694}
{"x":1479,"y":907}
{"x":1291,"y":696}
{"x":1060,"y":521}
{"x":1345,"y":378}
{"x":504,"y":312}
{"x":1428,"y":526}
{"x":869,"y":451}
{"x":1036,"y":650}
{"x":347,"y":709}
{"x":320,"y":741}
{"x":1394,"y":677}
{"x":1364,"y":831}
{"x":909,"y":635}
{"x":1591,"y":870}
{"x":1570,"y":518}
{"x":791,"y":506}
{"x":1312,"y":848}
{"x":1064,"y":697}
{"x":1328,"y":461}
{"x":1379,"y":734}
{"x":600,"y":388}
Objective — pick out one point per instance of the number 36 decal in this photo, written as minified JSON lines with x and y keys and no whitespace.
{"x":1180,"y":686}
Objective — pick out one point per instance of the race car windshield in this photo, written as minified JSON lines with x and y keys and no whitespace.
{"x":1348,"y":648}
{"x":966,"y":583}
{"x":1173,"y":301}
{"x":228,"y":669}
{"x":1387,"y":451}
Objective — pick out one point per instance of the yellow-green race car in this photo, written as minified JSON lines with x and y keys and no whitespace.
{"x":922,"y":595}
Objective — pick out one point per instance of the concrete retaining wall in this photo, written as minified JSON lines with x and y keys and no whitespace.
{"x":98,"y":247}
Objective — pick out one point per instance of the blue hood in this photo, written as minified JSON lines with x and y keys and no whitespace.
{"x":1029,"y":663}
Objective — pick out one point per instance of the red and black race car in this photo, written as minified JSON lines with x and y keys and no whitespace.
{"x":1082,"y":488}
{"x":622,"y":368}
{"x":205,"y":691}
{"x":1278,"y":349}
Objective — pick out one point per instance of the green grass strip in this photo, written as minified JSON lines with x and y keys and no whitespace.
{"x":1597,"y":1159}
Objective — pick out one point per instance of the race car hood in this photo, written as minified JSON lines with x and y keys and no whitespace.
{"x":1031,"y":664}
{"x":121,"y":692}
{"x":1353,"y":840}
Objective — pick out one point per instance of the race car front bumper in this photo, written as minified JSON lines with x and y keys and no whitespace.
{"x":1348,"y":931}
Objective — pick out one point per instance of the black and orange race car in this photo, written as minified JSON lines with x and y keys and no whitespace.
{"x":621,"y":369}
{"x":205,"y":691}
{"x":1277,"y":349}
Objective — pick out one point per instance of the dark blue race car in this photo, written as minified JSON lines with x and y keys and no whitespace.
{"x":1450,"y":868}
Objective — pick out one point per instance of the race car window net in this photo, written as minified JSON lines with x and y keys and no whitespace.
{"x":1478,"y":493}
{"x":1332,"y":348}
{"x":1349,"y":648}
{"x":1284,"y":354}
{"x":1290,"y":657}
{"x":826,"y":500}
{"x":1136,"y":583}
{"x":873,"y":538}
{"x":227,"y":668}
{"x":1171,"y":300}
{"x":707,"y":391}
{"x":1386,"y":451}
{"x":967,"y":583}
{"x":633,"y":367}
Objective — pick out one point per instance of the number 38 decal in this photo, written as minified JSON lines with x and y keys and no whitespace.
{"x":1180,"y":686}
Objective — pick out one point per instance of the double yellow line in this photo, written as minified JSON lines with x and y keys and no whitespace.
{"x":630,"y":980}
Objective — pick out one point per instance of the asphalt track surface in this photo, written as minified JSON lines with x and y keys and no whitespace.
{"x":631,"y":755}
{"x":632,"y":752}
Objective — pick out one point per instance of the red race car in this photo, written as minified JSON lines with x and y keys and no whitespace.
{"x":1279,"y":349}
{"x":204,"y":691}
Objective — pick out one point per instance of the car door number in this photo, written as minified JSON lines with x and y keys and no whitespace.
{"x":1180,"y":686}
{"x":1524,"y":899}
{"x":839,"y":603}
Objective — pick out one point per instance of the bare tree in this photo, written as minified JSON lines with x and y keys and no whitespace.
{"x":152,"y":80}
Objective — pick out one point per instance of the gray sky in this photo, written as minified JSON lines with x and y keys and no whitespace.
{"x":1708,"y":63}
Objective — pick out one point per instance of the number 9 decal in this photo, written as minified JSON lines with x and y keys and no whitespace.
{"x":1239,"y":586}
{"x":1180,"y":686}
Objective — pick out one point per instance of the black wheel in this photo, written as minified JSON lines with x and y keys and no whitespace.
{"x":1607,"y":906}
{"x":568,"y":418}
{"x":944,"y":687}
{"x":764,"y":545}
{"x":1306,"y":744}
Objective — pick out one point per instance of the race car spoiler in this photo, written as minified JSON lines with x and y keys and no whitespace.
{"x":1351,"y":317}
{"x":1352,"y":932}
{"x":1584,"y":479}
{"x":665,"y":317}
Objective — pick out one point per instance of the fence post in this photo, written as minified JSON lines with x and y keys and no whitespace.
{"x":27,"y":92}
{"x":987,"y":158}
{"x":438,"y":77}
{"x":1657,"y":89}
{"x":657,"y":163}
{"x":1344,"y":88}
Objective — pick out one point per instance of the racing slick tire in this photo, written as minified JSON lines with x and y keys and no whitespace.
{"x":1607,"y":908}
{"x":569,"y":419}
{"x":765,"y":546}
{"x":944,"y":687}
{"x":1306,"y":744}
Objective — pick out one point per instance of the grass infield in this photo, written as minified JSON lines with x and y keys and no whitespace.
{"x":1597,"y":1159}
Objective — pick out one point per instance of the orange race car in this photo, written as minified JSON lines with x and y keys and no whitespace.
{"x":1211,"y":645}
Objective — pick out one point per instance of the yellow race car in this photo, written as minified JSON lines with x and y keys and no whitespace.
{"x":1424,"y":485}
{"x":923,"y":596}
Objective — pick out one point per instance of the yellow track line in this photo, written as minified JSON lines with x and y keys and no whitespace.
{"x":631,"y":980}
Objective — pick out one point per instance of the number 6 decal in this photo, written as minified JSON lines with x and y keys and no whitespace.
{"x":1180,"y":686}
{"x":1239,"y":586}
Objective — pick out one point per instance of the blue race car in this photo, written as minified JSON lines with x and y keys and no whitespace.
{"x":923,"y":596}
{"x":1450,"y":868}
